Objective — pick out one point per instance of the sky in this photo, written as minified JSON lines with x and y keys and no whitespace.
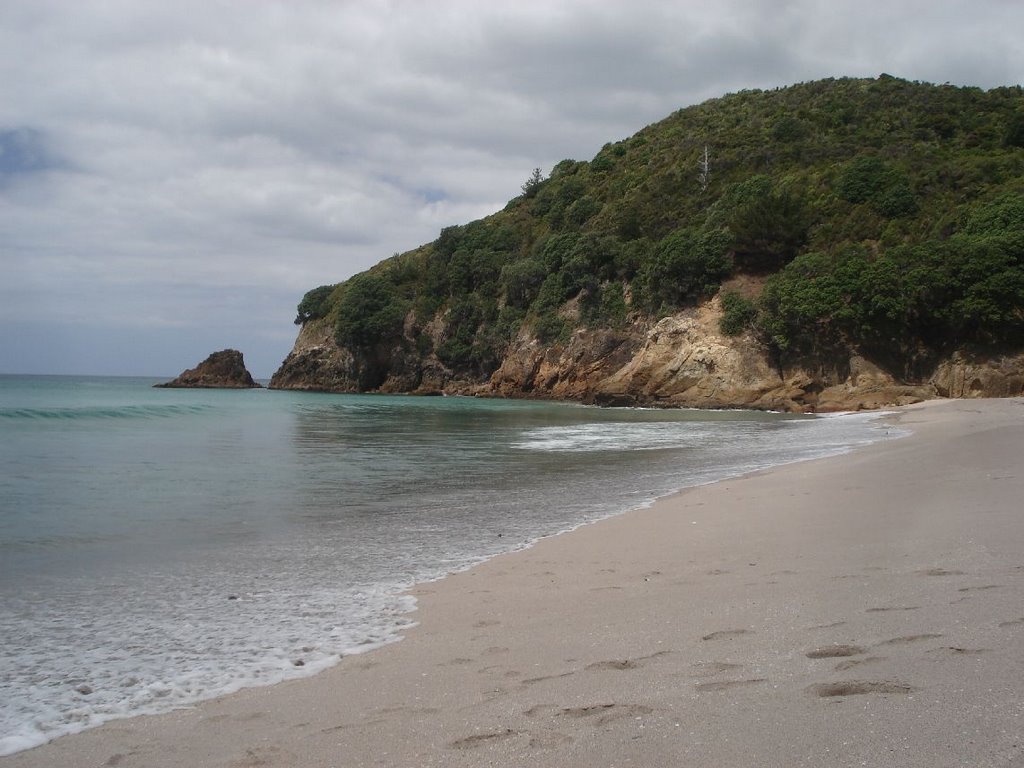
{"x":174,"y":176}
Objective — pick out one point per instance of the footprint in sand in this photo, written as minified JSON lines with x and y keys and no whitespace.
{"x":535,"y":680}
{"x":726,"y":633}
{"x":910,"y":639}
{"x":842,"y":666}
{"x":885,"y":609}
{"x":834,"y":652}
{"x":725,"y":685}
{"x":482,"y":739}
{"x":409,"y":710}
{"x":619,"y":664}
{"x":957,"y":651}
{"x":115,"y":760}
{"x":712,"y":668}
{"x":549,"y":740}
{"x":603,"y":714}
{"x":616,"y":664}
{"x":262,"y":756}
{"x":833,"y":625}
{"x":859,"y":688}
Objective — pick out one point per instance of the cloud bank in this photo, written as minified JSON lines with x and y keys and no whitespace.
{"x":174,"y":176}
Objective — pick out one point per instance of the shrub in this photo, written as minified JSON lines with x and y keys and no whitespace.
{"x":896,"y":200}
{"x":870,"y":179}
{"x":314,"y":304}
{"x":1014,"y":134}
{"x":521,"y":280}
{"x":1002,"y":216}
{"x":769,"y":228}
{"x":582,"y":210}
{"x":861,"y":179}
{"x":685,"y":264}
{"x":606,"y":307}
{"x":369,"y":311}
{"x":738,"y":313}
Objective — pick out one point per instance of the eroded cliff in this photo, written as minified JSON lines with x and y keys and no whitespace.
{"x":679,"y":361}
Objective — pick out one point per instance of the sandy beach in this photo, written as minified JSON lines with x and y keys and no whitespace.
{"x":866,"y":609}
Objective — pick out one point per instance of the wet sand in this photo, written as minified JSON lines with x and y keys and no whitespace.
{"x":866,"y":609}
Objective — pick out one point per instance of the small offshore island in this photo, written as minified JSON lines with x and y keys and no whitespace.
{"x":221,"y":370}
{"x":834,"y":245}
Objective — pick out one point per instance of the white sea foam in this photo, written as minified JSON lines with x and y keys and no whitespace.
{"x":108,"y":661}
{"x":614,"y":436}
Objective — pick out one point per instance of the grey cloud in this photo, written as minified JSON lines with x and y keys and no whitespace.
{"x":25,"y":151}
{"x":198,"y":165}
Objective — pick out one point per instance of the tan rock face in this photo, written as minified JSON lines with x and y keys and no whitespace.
{"x":964,"y":376}
{"x":685,"y":360}
{"x":316,"y":363}
{"x":682,"y":360}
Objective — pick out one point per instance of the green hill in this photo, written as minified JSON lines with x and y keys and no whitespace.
{"x":882,"y":216}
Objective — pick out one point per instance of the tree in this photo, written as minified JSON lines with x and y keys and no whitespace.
{"x":1014,"y":135}
{"x":532,"y":184}
{"x":704,"y":164}
{"x":314,"y":304}
{"x":370,"y":311}
{"x":769,"y":230}
{"x":685,"y":264}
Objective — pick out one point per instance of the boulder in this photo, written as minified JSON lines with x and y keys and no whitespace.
{"x":221,"y":370}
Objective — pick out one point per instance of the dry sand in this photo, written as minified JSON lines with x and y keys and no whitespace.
{"x":866,"y":609}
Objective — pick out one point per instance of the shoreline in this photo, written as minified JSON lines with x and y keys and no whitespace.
{"x":692,"y":629}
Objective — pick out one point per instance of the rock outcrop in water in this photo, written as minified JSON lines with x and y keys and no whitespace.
{"x":221,"y":370}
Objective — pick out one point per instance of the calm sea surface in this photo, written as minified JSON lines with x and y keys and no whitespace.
{"x":160,"y":546}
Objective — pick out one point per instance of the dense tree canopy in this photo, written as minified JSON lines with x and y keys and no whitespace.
{"x":888,"y":214}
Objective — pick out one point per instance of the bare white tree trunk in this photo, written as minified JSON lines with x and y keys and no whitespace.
{"x":705,"y":170}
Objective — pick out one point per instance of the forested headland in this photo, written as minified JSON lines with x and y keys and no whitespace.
{"x":875,"y":217}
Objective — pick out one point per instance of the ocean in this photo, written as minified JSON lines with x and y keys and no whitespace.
{"x":159,"y":546}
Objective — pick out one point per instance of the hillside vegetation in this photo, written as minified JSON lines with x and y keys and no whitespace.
{"x":881,"y":216}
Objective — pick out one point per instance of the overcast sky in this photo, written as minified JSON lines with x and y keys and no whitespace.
{"x":175,"y":175}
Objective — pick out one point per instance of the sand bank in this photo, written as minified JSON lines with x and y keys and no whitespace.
{"x":866,"y":609}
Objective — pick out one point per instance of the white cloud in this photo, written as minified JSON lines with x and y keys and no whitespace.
{"x":205,"y":162}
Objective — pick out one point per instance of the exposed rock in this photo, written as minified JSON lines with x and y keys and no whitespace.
{"x":963,"y":375}
{"x":316,"y":363}
{"x":221,"y":370}
{"x":685,"y":361}
{"x":680,"y":361}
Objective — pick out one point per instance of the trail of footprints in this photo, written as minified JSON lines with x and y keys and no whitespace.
{"x":545,"y":734}
{"x":855,"y":656}
{"x":707,"y":674}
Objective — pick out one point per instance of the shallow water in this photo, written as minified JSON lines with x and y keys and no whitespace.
{"x":161,"y":546}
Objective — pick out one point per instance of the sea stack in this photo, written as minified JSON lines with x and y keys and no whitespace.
{"x":221,"y":370}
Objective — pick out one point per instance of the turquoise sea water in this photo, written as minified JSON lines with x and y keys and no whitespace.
{"x":158,"y":547}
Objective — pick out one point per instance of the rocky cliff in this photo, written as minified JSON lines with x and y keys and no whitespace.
{"x":221,"y":370}
{"x":682,"y":360}
{"x":863,"y":240}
